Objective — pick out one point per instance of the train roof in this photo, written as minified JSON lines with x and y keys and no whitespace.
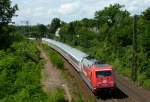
{"x":77,"y":54}
{"x":101,"y":65}
{"x":89,"y":61}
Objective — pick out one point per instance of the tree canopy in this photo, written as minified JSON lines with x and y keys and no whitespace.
{"x":6,"y":13}
{"x":55,"y":24}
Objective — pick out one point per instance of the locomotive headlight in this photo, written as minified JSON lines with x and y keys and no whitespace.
{"x":98,"y":85}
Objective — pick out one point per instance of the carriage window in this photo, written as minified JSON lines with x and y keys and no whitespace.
{"x":100,"y":74}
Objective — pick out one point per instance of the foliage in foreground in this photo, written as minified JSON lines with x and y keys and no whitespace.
{"x":7,"y":11}
{"x":57,"y":96}
{"x":20,"y":74}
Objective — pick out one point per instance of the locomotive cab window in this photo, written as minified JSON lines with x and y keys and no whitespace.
{"x":100,"y":74}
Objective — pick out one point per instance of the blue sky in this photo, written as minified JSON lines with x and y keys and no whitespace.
{"x":43,"y":11}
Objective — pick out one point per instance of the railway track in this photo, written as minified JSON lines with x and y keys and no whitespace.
{"x":128,"y":87}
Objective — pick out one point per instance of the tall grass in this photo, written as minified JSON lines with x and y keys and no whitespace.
{"x":55,"y":58}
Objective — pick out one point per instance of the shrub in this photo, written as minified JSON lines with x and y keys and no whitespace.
{"x":20,"y":74}
{"x":57,"y":96}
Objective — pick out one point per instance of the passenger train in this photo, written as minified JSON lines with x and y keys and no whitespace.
{"x":96,"y":75}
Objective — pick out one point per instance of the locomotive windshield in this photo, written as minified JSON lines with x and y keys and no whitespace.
{"x":100,"y":74}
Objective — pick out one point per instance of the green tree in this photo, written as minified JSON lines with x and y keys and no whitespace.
{"x":6,"y":13}
{"x":145,"y":34}
{"x":88,"y":22}
{"x":42,"y":30}
{"x":108,"y":15}
{"x":113,"y":22}
{"x":55,"y":24}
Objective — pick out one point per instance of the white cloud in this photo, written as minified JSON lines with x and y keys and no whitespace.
{"x":39,"y":9}
{"x":68,"y":8}
{"x":137,"y":6}
{"x":42,"y":11}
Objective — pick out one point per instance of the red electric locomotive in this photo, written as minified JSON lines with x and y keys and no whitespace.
{"x":97,"y":76}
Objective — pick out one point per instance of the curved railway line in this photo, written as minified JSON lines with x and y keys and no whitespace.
{"x":126,"y":90}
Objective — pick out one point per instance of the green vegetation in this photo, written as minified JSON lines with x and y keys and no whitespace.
{"x":6,"y":13}
{"x":55,"y":24}
{"x":20,"y":64}
{"x":57,"y":96}
{"x":36,"y":31}
{"x":20,"y":73}
{"x":55,"y":58}
{"x":109,"y":38}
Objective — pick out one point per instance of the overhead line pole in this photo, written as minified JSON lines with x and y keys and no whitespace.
{"x":134,"y":63}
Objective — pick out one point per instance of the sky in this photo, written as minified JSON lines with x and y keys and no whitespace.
{"x":43,"y":11}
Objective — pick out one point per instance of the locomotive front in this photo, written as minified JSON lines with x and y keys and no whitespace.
{"x":104,"y":77}
{"x":97,"y":75}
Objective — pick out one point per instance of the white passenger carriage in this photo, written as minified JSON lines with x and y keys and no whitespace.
{"x":73,"y":55}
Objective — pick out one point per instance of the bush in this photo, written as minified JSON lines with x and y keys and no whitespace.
{"x":20,"y":74}
{"x":57,"y":96}
{"x":146,"y":83}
